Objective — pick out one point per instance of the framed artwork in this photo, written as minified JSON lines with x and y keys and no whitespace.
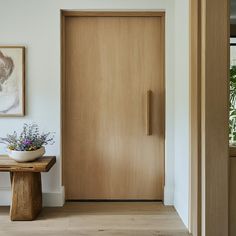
{"x":12,"y":81}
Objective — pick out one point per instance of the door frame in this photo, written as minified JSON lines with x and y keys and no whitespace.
{"x":199,"y":12}
{"x":209,"y":65}
{"x":71,"y":13}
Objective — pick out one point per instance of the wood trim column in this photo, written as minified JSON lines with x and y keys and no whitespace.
{"x":214,"y":116}
{"x":209,"y":71}
{"x":195,"y":119}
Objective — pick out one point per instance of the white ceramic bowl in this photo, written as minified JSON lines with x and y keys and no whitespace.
{"x":25,"y":156}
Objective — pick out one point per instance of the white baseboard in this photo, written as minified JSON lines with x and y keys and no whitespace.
{"x":168,"y":196}
{"x":57,"y":199}
{"x":50,"y":199}
{"x":54,"y":199}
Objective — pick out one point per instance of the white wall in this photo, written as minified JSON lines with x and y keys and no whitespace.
{"x":181,"y":196}
{"x":36,"y":25}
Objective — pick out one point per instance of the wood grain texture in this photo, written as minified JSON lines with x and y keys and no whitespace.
{"x":26,"y":196}
{"x":42,"y":164}
{"x":149,"y":113}
{"x":63,"y":86}
{"x":98,"y":219}
{"x":195,"y":117}
{"x":215,"y":116}
{"x":110,"y":64}
{"x":112,"y":13}
{"x":26,"y":185}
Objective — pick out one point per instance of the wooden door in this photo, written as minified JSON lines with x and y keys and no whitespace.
{"x":110,"y":63}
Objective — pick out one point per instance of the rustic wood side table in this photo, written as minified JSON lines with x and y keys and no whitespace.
{"x":26,"y":185}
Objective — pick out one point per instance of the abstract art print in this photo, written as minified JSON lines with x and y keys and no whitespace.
{"x":12,"y":81}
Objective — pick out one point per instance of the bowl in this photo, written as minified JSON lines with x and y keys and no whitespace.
{"x":25,"y":156}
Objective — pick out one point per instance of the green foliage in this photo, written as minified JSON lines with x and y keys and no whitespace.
{"x":232,"y":106}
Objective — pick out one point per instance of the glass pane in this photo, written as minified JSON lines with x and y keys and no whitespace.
{"x":232,"y":114}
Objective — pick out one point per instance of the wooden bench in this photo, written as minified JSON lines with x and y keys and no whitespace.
{"x":26,"y":185}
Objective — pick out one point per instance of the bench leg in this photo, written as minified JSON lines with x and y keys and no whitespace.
{"x":26,"y":195}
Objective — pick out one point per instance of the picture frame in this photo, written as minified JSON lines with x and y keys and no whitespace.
{"x":12,"y":81}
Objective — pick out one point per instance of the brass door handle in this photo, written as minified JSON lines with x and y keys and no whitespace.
{"x":149,"y":112}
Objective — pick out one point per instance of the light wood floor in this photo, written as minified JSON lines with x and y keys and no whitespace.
{"x":102,"y":219}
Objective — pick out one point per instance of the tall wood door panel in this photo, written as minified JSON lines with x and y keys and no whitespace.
{"x":114,"y":107}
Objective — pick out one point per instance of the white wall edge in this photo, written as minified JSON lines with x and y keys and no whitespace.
{"x":50,"y":199}
{"x":168,"y":196}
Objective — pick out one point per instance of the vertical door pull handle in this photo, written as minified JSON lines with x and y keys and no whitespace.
{"x":149,"y":112}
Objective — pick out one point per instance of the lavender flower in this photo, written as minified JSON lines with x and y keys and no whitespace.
{"x":27,"y":142}
{"x":29,"y":139}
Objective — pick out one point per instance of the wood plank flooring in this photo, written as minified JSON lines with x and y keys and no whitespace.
{"x":98,"y":219}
